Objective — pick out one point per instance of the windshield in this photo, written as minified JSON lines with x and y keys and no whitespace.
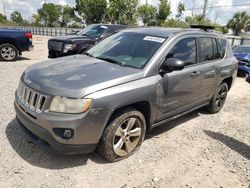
{"x":93,"y":31}
{"x":241,"y":49}
{"x":127,"y":49}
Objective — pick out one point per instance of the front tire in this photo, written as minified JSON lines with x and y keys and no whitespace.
{"x":219,"y":98}
{"x":8,"y":52}
{"x":123,"y":135}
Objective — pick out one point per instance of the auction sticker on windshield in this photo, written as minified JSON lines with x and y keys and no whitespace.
{"x":154,"y":39}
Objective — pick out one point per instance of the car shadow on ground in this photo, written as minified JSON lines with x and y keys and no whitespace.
{"x":172,"y":124}
{"x":239,"y":147}
{"x":21,"y":58}
{"x":37,"y":156}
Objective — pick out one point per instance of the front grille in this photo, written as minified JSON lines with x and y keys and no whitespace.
{"x":30,"y":98}
{"x":54,"y":45}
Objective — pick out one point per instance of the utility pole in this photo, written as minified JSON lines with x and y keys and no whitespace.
{"x":192,"y":7}
{"x":204,"y":9}
{"x":4,"y":11}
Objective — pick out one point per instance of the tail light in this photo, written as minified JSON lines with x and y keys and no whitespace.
{"x":29,"y":36}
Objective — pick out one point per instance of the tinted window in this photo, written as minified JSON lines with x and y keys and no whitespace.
{"x":222,"y":43}
{"x":127,"y":48}
{"x":216,"y":52}
{"x":93,"y":31}
{"x":184,"y":50}
{"x":206,"y":49}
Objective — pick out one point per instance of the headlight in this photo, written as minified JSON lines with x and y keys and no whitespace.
{"x":68,"y":47}
{"x":68,"y":105}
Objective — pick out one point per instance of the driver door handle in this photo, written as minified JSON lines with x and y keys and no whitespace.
{"x":195,"y":74}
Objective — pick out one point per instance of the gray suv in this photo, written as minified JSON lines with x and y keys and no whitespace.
{"x":129,"y":83}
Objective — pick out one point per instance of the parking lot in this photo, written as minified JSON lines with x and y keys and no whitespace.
{"x":197,"y":150}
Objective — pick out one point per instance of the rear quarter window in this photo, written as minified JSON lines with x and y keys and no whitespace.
{"x":229,"y":51}
{"x":222,"y":46}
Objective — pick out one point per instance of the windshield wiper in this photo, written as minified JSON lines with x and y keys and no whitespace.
{"x":111,"y":61}
{"x":87,"y":35}
{"x":88,"y":54}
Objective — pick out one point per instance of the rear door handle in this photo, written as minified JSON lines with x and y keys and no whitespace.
{"x":195,"y":74}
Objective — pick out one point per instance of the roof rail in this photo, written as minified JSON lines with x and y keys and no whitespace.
{"x":202,"y":27}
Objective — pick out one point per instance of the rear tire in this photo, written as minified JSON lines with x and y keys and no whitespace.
{"x":8,"y":52}
{"x":123,"y":135}
{"x":219,"y":98}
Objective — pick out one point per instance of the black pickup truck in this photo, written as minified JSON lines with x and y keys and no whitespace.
{"x":13,"y":42}
{"x":83,"y":39}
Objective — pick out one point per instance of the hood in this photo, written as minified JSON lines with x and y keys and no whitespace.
{"x":71,"y":37}
{"x":77,"y":76}
{"x":240,"y":56}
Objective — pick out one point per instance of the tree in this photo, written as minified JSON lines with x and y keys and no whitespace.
{"x":180,"y":10}
{"x":131,"y":11}
{"x":175,"y":23}
{"x":239,"y":22}
{"x":147,"y":13}
{"x":198,"y":20}
{"x":3,"y":18}
{"x":93,"y":11}
{"x":67,"y":15}
{"x":36,"y":19}
{"x":122,"y":11}
{"x":49,"y":14}
{"x":163,"y":12}
{"x":16,"y":17}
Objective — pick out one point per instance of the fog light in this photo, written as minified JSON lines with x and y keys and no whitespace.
{"x":67,"y":134}
{"x":63,"y":133}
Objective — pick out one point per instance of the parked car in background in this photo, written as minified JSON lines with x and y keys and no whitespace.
{"x":248,"y":79}
{"x":13,"y":43}
{"x":242,"y":53}
{"x":127,"y":84}
{"x":78,"y":43}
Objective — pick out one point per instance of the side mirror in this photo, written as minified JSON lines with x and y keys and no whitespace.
{"x":173,"y":64}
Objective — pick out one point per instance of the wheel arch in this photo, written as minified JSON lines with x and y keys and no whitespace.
{"x":10,"y":41}
{"x":142,"y":106}
{"x":229,"y":82}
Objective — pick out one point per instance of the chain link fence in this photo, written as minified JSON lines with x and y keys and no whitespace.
{"x":47,"y":31}
{"x":57,"y":31}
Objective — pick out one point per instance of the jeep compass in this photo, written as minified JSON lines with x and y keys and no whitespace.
{"x":107,"y":98}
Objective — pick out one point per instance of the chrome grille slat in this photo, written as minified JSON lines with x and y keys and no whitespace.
{"x":55,"y":45}
{"x":30,"y":98}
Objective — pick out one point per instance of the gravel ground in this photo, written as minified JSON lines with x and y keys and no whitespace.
{"x":197,"y":150}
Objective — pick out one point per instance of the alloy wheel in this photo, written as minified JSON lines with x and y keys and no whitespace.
{"x":221,"y":97}
{"x":127,"y":136}
{"x":8,"y":53}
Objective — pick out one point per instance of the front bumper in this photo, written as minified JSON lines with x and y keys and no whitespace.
{"x":55,"y":54}
{"x":42,"y":138}
{"x":87,"y":130}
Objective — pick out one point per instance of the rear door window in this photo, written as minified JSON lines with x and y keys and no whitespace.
{"x":206,"y":49}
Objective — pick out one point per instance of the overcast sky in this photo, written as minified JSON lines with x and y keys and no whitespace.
{"x":220,"y":14}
